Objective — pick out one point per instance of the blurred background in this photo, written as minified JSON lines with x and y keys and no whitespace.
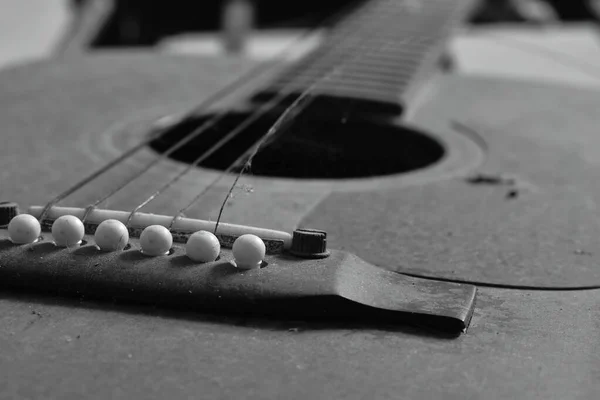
{"x":539,"y":39}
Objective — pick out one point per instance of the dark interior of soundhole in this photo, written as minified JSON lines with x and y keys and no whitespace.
{"x":310,"y":148}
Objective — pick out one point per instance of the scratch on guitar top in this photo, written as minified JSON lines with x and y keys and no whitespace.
{"x":515,"y":185}
{"x":489,"y":179}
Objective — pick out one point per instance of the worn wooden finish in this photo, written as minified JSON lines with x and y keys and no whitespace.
{"x":521,"y":343}
{"x":511,"y":208}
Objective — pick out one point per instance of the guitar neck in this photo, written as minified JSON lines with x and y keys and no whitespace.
{"x":376,"y":56}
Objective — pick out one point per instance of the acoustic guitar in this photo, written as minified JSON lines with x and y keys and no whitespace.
{"x":427,"y":235}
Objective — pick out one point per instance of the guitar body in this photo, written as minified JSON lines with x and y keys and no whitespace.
{"x":510,"y":207}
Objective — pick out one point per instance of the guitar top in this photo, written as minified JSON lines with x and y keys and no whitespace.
{"x":461,"y":257}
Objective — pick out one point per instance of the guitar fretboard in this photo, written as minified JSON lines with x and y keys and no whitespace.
{"x":376,"y":55}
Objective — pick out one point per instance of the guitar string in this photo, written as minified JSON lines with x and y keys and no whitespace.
{"x":262,"y":69}
{"x":143,"y":171}
{"x":261,"y":111}
{"x":281,"y":96}
{"x":296,"y":107}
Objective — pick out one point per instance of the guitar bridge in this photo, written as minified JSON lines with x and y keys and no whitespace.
{"x":330,"y":284}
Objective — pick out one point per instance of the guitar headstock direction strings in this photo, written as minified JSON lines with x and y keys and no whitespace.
{"x":156,"y":240}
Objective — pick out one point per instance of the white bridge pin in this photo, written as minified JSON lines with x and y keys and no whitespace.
{"x":156,"y":240}
{"x":67,"y":231}
{"x":111,"y":235}
{"x":23,"y":229}
{"x":248,"y":251}
{"x":203,"y":246}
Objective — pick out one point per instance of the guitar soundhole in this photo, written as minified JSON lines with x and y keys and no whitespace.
{"x":310,"y":148}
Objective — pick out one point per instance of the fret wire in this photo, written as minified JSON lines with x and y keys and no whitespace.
{"x":356,"y":79}
{"x":383,"y":70}
{"x":408,"y":54}
{"x":393,"y":53}
{"x":353,"y":86}
{"x":364,"y":71}
{"x":401,"y":46}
